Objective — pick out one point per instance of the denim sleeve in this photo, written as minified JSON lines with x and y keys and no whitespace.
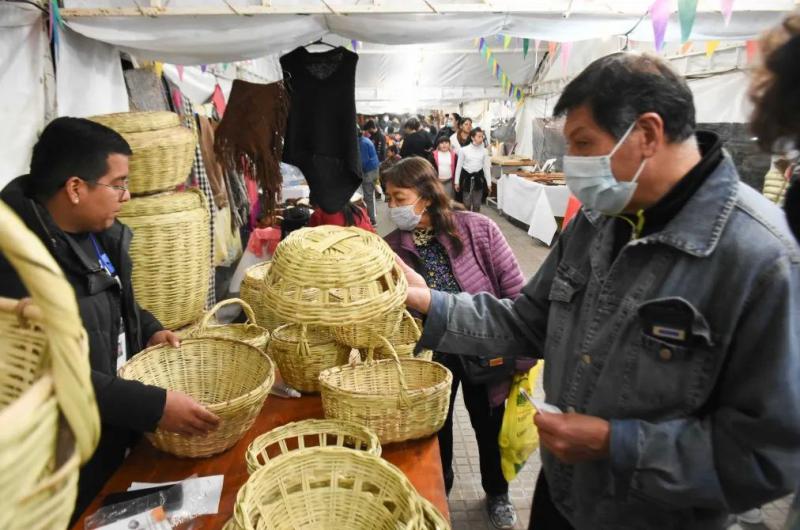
{"x":746,"y":450}
{"x":481,"y":324}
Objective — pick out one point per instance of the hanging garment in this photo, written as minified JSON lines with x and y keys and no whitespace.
{"x":213,"y":169}
{"x":145,"y":90}
{"x":321,"y":134}
{"x":250,"y":135}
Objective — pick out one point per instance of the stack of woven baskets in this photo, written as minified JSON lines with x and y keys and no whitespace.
{"x":44,"y":376}
{"x":327,"y":474}
{"x":340,"y":288}
{"x":171,"y":245}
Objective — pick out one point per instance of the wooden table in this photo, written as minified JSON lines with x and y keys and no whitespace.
{"x":418,"y":459}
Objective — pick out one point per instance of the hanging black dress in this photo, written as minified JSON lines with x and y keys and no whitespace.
{"x":321,"y":132}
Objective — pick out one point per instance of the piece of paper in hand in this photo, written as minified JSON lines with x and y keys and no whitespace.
{"x":205,"y":492}
{"x":540,"y":405}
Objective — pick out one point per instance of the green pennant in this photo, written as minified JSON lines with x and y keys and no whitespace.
{"x":687,"y":10}
{"x":526,"y":43}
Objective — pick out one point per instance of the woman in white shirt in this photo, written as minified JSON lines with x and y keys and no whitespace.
{"x":473,"y":171}
{"x":461,"y":138}
{"x":445,"y":159}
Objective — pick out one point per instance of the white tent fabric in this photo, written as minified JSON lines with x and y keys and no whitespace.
{"x":24,"y":56}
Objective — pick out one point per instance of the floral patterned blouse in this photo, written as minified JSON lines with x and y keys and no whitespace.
{"x":435,"y":262}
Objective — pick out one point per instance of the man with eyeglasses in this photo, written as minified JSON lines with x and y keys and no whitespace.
{"x":71,"y":198}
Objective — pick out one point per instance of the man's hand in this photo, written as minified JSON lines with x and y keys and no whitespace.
{"x":164,"y":337}
{"x":574,"y":438}
{"x":184,"y":415}
{"x":419,"y":294}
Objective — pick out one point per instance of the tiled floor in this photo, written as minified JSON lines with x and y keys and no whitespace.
{"x":467,"y":504}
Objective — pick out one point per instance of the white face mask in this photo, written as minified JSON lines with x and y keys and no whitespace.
{"x":404,"y":217}
{"x":592,"y":181}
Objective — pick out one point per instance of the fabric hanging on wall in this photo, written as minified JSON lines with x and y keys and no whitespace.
{"x":145,"y":90}
{"x":213,"y":169}
{"x":321,"y":135}
{"x":250,"y":135}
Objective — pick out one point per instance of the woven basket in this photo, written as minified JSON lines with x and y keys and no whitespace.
{"x":249,"y":332}
{"x":250,"y":292}
{"x":170,"y":251}
{"x":338,"y":277}
{"x":133,"y":122}
{"x":302,"y":352}
{"x":405,"y":340}
{"x":309,"y":433}
{"x":432,"y":517}
{"x":44,"y":373}
{"x":328,"y":488}
{"x":230,"y":378}
{"x":399,"y":399}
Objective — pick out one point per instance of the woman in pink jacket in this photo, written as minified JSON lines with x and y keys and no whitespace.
{"x":458,"y":251}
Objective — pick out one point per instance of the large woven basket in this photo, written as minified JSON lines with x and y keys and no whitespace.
{"x":328,"y":488}
{"x":309,"y":433}
{"x":432,"y":517}
{"x":230,"y":378}
{"x":399,"y":399}
{"x":405,"y":340}
{"x":44,"y":373}
{"x":342,"y":277}
{"x":249,"y":332}
{"x":133,"y":122}
{"x":170,"y":251}
{"x":302,"y":352}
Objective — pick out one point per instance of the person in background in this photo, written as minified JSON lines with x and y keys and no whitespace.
{"x":433,"y":132}
{"x":392,"y":157}
{"x":461,"y":138}
{"x":456,"y":252}
{"x":416,"y":142}
{"x":666,"y":314}
{"x":445,"y":159}
{"x":353,"y":214}
{"x":775,"y":93}
{"x":369,"y":173}
{"x":77,"y":184}
{"x":473,"y":171}
{"x":449,"y":125}
{"x":378,"y":139}
{"x":777,"y":180}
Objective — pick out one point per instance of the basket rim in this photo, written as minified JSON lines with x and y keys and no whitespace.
{"x":446,"y":382}
{"x":144,"y":356}
{"x":322,"y":340}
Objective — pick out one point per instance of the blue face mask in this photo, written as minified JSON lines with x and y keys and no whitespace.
{"x":404,"y":217}
{"x":591,"y":180}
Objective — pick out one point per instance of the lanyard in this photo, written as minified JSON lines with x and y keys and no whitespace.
{"x":102,"y":257}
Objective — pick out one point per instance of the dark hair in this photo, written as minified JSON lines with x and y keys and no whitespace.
{"x":462,"y":120}
{"x":621,"y":87}
{"x":474,"y":132}
{"x":352,"y":212}
{"x":369,"y":125}
{"x":443,"y":138}
{"x":394,"y":148}
{"x":775,"y":90}
{"x":71,"y":147}
{"x":418,"y":174}
{"x":412,"y":124}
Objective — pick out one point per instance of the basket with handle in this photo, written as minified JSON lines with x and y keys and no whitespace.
{"x":302,"y":352}
{"x":405,"y":339}
{"x":309,"y":433}
{"x":342,"y":277}
{"x":249,"y":332}
{"x":44,"y":373}
{"x":170,"y":253}
{"x":328,"y":487}
{"x":399,"y":399}
{"x":230,"y":378}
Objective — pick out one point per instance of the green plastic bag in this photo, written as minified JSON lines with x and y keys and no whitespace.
{"x":518,"y":435}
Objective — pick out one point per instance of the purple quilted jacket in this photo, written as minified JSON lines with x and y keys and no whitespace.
{"x":486,"y":264}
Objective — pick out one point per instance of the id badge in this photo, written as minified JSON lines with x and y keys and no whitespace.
{"x":122,"y":346}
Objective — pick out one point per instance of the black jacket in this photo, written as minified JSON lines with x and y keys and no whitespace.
{"x":417,"y":144}
{"x":126,"y":407}
{"x":379,"y":140}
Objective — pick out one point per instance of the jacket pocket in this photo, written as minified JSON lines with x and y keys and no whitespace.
{"x":670,"y":361}
{"x":568,"y":284}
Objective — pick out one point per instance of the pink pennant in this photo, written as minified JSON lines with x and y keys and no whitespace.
{"x":551,"y":48}
{"x":727,"y":10}
{"x":180,"y":72}
{"x":566,"y":50}
{"x":176,"y":100}
{"x":659,"y":14}
{"x":218,"y":99}
{"x":752,"y":50}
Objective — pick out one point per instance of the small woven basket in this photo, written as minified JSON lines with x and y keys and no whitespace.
{"x":330,"y":488}
{"x":251,"y":292}
{"x":44,"y":374}
{"x":302,"y":352}
{"x":133,"y":122}
{"x":249,"y":332}
{"x":309,"y":433}
{"x":170,"y":252}
{"x":341,"y":277}
{"x":399,"y":399}
{"x":230,"y":378}
{"x":432,"y":517}
{"x":405,"y":340}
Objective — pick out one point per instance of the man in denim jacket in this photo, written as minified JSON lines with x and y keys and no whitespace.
{"x":667,"y":313}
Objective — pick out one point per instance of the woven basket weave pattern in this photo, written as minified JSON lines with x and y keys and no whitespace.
{"x":170,"y":252}
{"x":405,"y":340}
{"x":309,"y":433}
{"x":248,"y":332}
{"x":161,"y":159}
{"x":302,"y":352}
{"x":332,"y":488}
{"x":131,"y":122}
{"x":432,"y":518}
{"x":229,"y":377}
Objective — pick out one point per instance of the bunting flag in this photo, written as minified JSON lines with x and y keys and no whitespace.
{"x":506,"y":42}
{"x":752,"y":50}
{"x":687,"y":11}
{"x":727,"y":10}
{"x":354,"y":44}
{"x":686,"y":48}
{"x":56,"y":22}
{"x":711,"y":47}
{"x":551,"y":48}
{"x":525,"y":46}
{"x":496,"y":68}
{"x":158,"y":68}
{"x":203,"y":68}
{"x":180,"y":71}
{"x":659,"y":14}
{"x":566,"y":51}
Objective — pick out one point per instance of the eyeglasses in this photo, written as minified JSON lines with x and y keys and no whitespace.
{"x":121,"y":189}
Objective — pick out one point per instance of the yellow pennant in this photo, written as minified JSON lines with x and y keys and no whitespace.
{"x":711,"y":47}
{"x":506,"y":42}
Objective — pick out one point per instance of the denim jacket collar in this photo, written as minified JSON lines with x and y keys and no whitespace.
{"x":696,"y":229}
